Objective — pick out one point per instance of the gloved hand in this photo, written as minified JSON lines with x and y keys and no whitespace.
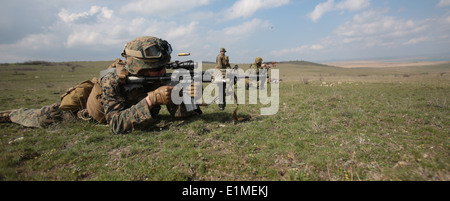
{"x":161,"y":96}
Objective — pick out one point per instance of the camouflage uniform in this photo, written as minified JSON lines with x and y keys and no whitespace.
{"x":127,"y":109}
{"x":222,"y":61}
{"x":40,"y":118}
{"x":257,"y":65}
{"x":125,"y":106}
{"x":227,"y":62}
{"x":254,"y":66}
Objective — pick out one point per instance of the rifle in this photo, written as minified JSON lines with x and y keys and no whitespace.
{"x":187,"y":70}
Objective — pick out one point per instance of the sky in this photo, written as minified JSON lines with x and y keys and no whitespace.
{"x":276,"y":30}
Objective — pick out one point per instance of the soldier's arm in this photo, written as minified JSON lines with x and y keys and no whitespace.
{"x":121,"y":119}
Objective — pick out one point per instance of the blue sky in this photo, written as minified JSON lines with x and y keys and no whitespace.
{"x":279,"y":30}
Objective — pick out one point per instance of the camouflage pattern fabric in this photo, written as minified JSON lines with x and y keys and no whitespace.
{"x":126,"y":109}
{"x":255,"y":67}
{"x":220,"y":62}
{"x":40,"y":118}
{"x":253,"y":83}
{"x":227,"y":62}
{"x":136,"y":64}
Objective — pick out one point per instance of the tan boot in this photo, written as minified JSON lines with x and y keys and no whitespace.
{"x":4,"y":116}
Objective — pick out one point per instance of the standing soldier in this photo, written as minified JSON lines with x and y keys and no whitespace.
{"x":222,"y":61}
{"x":122,"y":106}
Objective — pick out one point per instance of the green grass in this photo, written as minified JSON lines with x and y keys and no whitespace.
{"x":337,"y":124}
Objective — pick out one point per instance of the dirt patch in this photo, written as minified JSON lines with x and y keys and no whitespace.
{"x":116,"y":154}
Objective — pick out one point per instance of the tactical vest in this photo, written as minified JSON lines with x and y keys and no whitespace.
{"x":94,"y":104}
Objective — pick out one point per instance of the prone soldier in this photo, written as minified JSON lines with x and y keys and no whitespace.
{"x":109,"y":99}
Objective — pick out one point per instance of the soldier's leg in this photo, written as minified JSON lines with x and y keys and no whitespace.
{"x":39,"y":118}
{"x":247,"y":83}
{"x":4,"y":116}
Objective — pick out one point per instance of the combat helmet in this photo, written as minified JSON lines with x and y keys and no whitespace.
{"x":258,"y":60}
{"x":146,"y":52}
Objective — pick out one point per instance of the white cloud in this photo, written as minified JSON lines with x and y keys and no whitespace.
{"x":115,"y":30}
{"x":196,"y":16}
{"x":92,"y":38}
{"x":31,"y":44}
{"x":443,"y":3}
{"x":79,"y":31}
{"x":101,"y":12}
{"x":236,"y":39}
{"x":353,"y":5}
{"x":376,"y":23}
{"x":375,"y":31}
{"x":182,"y":36}
{"x":246,"y":8}
{"x":321,"y":9}
{"x":317,"y":47}
{"x":97,"y":31}
{"x":246,"y":27}
{"x":298,"y":50}
{"x":62,"y":30}
{"x":330,"y":5}
{"x":417,"y":40}
{"x":113,"y":33}
{"x":162,"y":8}
{"x":100,"y":32}
{"x":180,"y":31}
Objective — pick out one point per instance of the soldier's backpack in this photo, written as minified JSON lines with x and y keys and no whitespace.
{"x":87,"y":95}
{"x":75,"y":98}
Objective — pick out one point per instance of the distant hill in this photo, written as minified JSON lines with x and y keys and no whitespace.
{"x":304,"y":63}
{"x":208,"y":62}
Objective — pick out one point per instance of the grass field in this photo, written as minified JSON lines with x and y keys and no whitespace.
{"x":333,"y":124}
